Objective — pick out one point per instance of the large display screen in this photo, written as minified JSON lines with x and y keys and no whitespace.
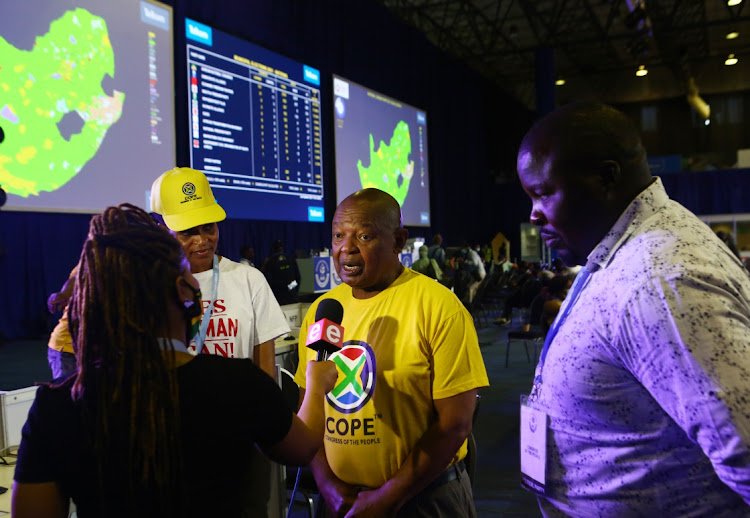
{"x":381,"y":143}
{"x":255,"y":127}
{"x":86,"y":102}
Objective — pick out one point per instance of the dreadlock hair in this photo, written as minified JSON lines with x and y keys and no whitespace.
{"x":125,"y":282}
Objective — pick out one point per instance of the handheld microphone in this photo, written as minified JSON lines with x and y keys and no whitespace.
{"x":326,"y":335}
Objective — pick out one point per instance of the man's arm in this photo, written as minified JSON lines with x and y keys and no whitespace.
{"x":338,"y":495}
{"x":686,"y":340}
{"x":431,"y":455}
{"x":58,"y":300}
{"x":40,"y":500}
{"x":264,"y":356}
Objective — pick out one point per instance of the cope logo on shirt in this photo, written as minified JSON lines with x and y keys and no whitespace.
{"x":356,"y":365}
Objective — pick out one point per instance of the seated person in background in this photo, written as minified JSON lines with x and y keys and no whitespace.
{"x":473,"y":263}
{"x":554,"y":293}
{"x":139,"y":404}
{"x":427,"y":266}
{"x":247,"y":255}
{"x":411,"y":367}
{"x":282,"y":273}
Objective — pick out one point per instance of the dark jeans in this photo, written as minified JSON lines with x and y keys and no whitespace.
{"x":453,"y":499}
{"x":62,"y":364}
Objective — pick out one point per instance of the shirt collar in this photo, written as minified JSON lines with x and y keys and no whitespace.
{"x":646,"y":204}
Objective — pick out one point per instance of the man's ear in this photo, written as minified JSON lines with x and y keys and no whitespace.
{"x":401,"y":236}
{"x":609,"y":172}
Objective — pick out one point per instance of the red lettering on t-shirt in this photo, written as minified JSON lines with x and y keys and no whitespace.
{"x":222,"y":328}
{"x":225,"y":349}
{"x":210,"y":331}
{"x":233,"y":326}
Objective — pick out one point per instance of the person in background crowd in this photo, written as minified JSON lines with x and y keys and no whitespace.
{"x":427,"y":266}
{"x":60,"y":354}
{"x":247,"y":255}
{"x":473,"y":263}
{"x":642,"y":382}
{"x":118,"y":436}
{"x":436,"y":251}
{"x":282,"y":273}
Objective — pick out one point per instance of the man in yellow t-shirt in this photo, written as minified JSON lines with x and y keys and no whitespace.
{"x":398,"y":418}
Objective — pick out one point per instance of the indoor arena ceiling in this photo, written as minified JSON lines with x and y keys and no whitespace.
{"x":598,"y":44}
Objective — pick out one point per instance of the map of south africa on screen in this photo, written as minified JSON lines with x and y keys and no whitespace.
{"x":390,"y":168}
{"x":54,"y":113}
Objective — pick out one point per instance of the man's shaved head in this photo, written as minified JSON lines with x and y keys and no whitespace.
{"x":381,"y":203}
{"x":581,"y":165}
{"x":367,"y":239}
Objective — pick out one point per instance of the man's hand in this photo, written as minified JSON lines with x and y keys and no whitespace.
{"x":339,"y":496}
{"x":56,"y":302}
{"x":372,"y":504}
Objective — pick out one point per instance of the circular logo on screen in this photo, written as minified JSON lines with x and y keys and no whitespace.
{"x":340,"y":107}
{"x":335,"y":279}
{"x":322,"y":272}
{"x":356,"y":382}
{"x":188,"y":189}
{"x":406,"y":260}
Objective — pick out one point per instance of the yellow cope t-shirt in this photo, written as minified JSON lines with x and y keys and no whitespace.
{"x":410,"y":344}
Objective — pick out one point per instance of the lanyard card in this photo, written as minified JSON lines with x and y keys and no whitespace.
{"x":533,"y":447}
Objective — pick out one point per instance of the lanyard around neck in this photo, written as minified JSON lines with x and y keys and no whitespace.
{"x":201,"y":336}
{"x":575,"y":291}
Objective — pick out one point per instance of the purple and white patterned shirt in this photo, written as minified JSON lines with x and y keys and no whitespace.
{"x":647,"y":383}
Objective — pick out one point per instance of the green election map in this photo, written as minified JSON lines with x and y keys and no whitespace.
{"x":390,"y":168}
{"x":62,"y":75}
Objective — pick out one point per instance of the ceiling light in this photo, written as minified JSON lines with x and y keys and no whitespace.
{"x":641,"y":71}
{"x":732,"y":3}
{"x":732,"y":35}
{"x":731,"y":60}
{"x":560,"y":82}
{"x":707,"y":122}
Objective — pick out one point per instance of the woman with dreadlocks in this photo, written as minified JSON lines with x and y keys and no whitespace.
{"x":139,"y":402}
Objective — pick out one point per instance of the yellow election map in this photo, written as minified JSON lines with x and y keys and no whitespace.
{"x":61,"y":76}
{"x":390,"y":168}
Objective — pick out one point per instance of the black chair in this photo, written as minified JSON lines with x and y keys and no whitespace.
{"x":531,"y":332}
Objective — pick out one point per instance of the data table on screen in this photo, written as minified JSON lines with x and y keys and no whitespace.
{"x":252,"y":127}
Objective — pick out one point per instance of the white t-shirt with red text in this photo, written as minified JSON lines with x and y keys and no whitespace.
{"x":245,"y":313}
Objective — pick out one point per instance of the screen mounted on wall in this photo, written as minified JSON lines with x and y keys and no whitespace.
{"x":381,"y":143}
{"x":255,"y":127}
{"x":86,"y":102}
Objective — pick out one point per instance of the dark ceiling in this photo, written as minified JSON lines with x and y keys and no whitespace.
{"x":597,"y":44}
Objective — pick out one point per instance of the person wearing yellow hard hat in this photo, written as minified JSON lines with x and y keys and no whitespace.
{"x":241,"y":316}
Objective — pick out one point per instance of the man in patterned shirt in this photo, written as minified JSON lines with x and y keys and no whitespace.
{"x":646,"y":379}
